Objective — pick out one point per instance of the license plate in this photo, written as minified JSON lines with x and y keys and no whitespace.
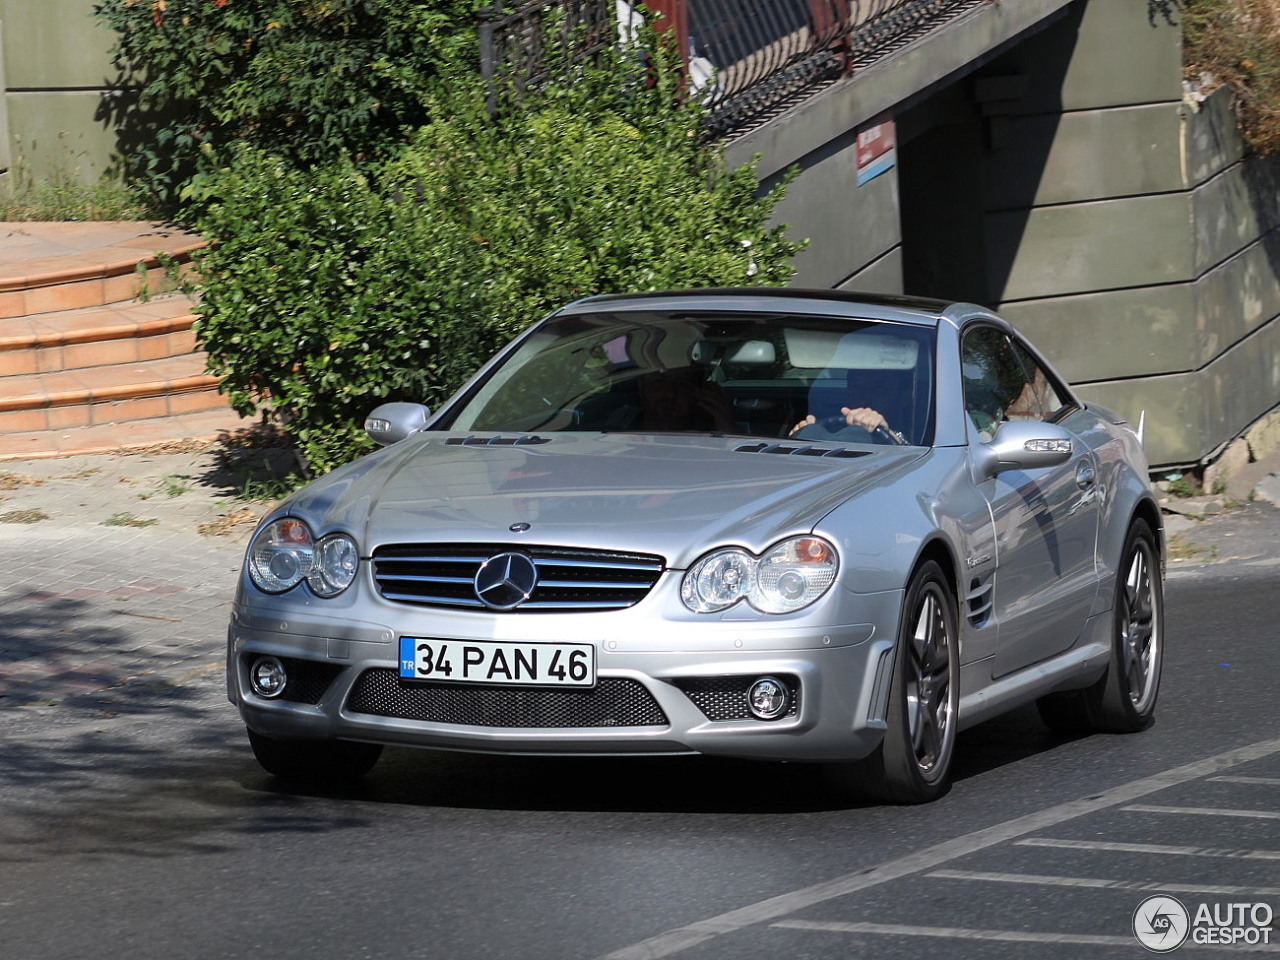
{"x":472,"y":661}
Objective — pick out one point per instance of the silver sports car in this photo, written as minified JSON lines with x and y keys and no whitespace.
{"x":770,"y":524}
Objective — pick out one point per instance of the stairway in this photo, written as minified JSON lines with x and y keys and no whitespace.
{"x":97,"y":353}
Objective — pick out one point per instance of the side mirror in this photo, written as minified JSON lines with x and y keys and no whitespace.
{"x":392,"y":422}
{"x":1028,"y":445}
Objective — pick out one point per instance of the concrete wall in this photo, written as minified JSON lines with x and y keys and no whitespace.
{"x":856,"y":230}
{"x":1144,"y":257}
{"x":1048,"y":167}
{"x":55,"y":66}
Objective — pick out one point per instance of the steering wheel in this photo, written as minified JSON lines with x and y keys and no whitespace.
{"x":836,"y":423}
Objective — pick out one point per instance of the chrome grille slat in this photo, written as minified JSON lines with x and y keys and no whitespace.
{"x":416,"y":598}
{"x":591,"y":565}
{"x":416,"y":578}
{"x":574,"y":605}
{"x":589,"y":585}
{"x":569,"y":579}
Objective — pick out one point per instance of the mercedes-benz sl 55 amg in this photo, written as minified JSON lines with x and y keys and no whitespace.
{"x":769,"y":524}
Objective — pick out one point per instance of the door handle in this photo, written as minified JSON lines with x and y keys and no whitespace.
{"x":1084,"y":476}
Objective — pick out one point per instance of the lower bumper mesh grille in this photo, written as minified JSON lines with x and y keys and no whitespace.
{"x":613,"y":702}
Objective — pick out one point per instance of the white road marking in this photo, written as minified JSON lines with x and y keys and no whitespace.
{"x":1097,"y":883}
{"x":1160,"y":849}
{"x":1261,"y":781}
{"x":956,"y":933}
{"x":1205,"y":811}
{"x":691,"y":935}
{"x":966,"y":933}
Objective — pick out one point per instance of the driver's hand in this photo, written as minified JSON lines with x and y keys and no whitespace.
{"x":808,"y":421}
{"x":864,"y":417}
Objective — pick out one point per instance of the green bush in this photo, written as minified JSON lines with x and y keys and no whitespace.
{"x":330,"y":290}
{"x":303,"y":79}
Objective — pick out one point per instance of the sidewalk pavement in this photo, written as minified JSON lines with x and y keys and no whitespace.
{"x":120,"y":569}
{"x":119,"y":572}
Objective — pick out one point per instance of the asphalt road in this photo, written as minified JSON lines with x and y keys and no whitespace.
{"x":137,"y":825}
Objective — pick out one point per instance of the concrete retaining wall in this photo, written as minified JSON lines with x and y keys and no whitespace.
{"x":1049,"y":167}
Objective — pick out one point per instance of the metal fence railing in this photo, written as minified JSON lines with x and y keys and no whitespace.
{"x":518,"y":46}
{"x":746,"y":59}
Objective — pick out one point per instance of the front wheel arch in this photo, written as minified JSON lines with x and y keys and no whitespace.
{"x":912,"y":764}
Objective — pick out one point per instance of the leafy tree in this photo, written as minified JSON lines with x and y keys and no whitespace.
{"x":302,"y":79}
{"x":331,"y":290}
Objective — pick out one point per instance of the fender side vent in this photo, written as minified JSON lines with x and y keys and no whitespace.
{"x":978,"y":601}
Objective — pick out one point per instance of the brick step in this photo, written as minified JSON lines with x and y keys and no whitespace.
{"x":183,"y":431}
{"x":50,"y":267}
{"x":99,"y":395}
{"x":97,"y":351}
{"x":94,"y":336}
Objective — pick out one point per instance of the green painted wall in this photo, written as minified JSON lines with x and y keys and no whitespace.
{"x":55,"y":69}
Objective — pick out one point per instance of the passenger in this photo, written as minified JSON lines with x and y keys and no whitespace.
{"x":682,"y":400}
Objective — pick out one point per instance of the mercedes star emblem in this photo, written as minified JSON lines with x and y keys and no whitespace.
{"x":506,"y":581}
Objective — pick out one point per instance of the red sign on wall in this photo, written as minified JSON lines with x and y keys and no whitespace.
{"x":877,"y":147}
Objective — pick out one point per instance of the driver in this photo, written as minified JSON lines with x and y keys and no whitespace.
{"x":862,"y":386}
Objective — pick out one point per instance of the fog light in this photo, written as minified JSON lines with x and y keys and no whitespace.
{"x":267,"y":677}
{"x":768,"y":698}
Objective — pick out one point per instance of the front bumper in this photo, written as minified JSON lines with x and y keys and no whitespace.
{"x":665,"y":686}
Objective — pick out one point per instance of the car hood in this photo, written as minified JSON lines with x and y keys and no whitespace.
{"x":675,"y":496}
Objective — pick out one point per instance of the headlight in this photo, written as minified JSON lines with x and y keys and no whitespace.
{"x":334,"y":566}
{"x":789,"y":576}
{"x":285,"y":553}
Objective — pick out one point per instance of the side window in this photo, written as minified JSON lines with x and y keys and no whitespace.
{"x":996,"y":384}
{"x":1038,"y":399}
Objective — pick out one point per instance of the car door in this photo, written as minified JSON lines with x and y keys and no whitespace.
{"x":1046,"y":520}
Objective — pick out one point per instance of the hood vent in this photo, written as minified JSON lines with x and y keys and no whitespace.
{"x":499,"y":441}
{"x":800,"y":450}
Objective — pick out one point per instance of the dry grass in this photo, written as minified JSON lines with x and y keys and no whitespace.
{"x":16,"y":481}
{"x":227,"y":523}
{"x":1236,"y":44}
{"x":23,"y":516}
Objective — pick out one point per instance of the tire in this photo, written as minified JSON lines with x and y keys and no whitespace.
{"x":913,"y":762}
{"x":1124,"y":699}
{"x":314,"y":759}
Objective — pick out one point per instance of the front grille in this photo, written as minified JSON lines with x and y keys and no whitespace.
{"x":725,"y":698}
{"x":613,"y":702}
{"x":569,"y":580}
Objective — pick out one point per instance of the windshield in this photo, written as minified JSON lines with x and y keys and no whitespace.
{"x":760,"y":375}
